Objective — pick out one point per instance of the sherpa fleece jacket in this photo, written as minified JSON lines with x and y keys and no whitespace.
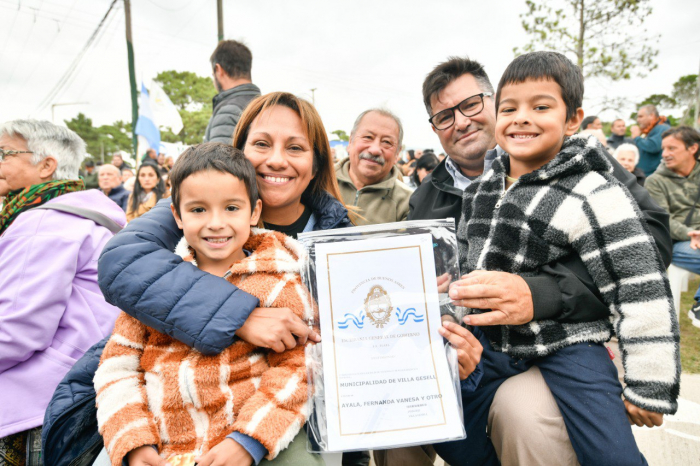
{"x":573,"y":205}
{"x":154,"y":390}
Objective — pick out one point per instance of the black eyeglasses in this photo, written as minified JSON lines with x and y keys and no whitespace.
{"x":469,"y":107}
{"x":7,"y":153}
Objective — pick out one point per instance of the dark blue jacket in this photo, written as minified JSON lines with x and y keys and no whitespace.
{"x":139,"y":273}
{"x":120,"y":196}
{"x":70,"y":423}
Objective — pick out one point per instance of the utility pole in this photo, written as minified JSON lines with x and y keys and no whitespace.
{"x":53,"y":106}
{"x":697,"y":105}
{"x":313,"y":96}
{"x":132,"y":78}
{"x":220,"y":18}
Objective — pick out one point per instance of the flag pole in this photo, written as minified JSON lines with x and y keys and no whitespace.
{"x":132,"y":81}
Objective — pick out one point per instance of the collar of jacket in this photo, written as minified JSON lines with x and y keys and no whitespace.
{"x":442,"y":180}
{"x":118,"y":189}
{"x":329,"y":211}
{"x":270,"y":252}
{"x":617,"y":138}
{"x":579,"y":154}
{"x":243,"y":89}
{"x":663,"y":170}
{"x":388,"y":183}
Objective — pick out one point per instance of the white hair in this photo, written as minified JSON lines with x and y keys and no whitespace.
{"x":109,"y":168}
{"x":383,"y":112}
{"x":627,"y":148}
{"x":45,"y":139}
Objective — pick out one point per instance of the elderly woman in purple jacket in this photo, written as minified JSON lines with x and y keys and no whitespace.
{"x":51,"y":307}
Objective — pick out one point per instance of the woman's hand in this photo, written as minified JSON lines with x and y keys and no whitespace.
{"x":145,"y":456}
{"x":468,"y":348}
{"x":641,"y":417}
{"x":227,"y":453}
{"x":276,"y":328}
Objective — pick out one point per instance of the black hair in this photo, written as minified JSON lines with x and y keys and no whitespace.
{"x":411,"y":154}
{"x":685,"y":134}
{"x":446,"y":72}
{"x":428,"y":162}
{"x":588,"y":121}
{"x":159,"y":190}
{"x":213,"y":156}
{"x":234,"y":57}
{"x":552,"y":66}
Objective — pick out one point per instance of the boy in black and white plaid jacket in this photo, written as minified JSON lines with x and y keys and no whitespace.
{"x":552,"y":194}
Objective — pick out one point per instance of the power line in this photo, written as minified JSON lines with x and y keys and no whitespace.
{"x":187,"y":3}
{"x":72,"y":68}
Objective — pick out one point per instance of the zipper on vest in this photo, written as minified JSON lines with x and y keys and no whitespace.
{"x":357,"y":195}
{"x":503,"y":194}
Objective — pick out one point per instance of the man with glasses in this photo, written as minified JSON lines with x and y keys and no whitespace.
{"x":459,"y":99}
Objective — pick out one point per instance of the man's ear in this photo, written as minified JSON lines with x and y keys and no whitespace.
{"x":573,"y":123}
{"x":255,"y":215}
{"x":178,"y":220}
{"x":47,"y":168}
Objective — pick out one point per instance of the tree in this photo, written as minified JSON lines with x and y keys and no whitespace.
{"x":103,"y":140}
{"x":682,"y":98}
{"x":192,"y":95}
{"x":341,"y":135}
{"x":593,"y":33}
{"x":685,"y":91}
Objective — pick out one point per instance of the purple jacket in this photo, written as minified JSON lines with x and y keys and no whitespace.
{"x":51,"y":307}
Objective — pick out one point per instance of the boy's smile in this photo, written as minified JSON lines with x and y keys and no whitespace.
{"x":215,"y":216}
{"x":531,"y":124}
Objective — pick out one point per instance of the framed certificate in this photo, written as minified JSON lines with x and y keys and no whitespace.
{"x":386,"y":377}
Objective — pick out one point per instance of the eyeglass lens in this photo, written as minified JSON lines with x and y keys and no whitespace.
{"x":468,"y":107}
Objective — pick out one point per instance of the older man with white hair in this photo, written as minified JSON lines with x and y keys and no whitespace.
{"x":110,"y":180}
{"x":51,"y":307}
{"x":368,"y":178}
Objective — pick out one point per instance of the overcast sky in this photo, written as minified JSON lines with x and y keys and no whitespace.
{"x":356,"y":53}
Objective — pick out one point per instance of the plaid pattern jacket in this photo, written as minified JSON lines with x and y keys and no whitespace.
{"x":573,"y":205}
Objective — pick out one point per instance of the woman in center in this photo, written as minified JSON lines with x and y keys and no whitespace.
{"x":284,"y":139}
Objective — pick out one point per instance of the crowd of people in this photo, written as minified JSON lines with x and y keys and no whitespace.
{"x":564,"y":236}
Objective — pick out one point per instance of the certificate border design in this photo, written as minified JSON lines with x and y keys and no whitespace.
{"x":430,"y":341}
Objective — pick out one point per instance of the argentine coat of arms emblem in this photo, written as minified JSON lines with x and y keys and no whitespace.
{"x":378,"y":306}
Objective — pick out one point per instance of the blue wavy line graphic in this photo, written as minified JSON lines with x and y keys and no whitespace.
{"x":358,"y":322}
{"x":404,"y":315}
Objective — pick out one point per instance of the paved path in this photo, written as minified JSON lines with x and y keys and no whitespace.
{"x":677,"y":441}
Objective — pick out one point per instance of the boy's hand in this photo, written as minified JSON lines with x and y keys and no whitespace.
{"x":227,"y":453}
{"x":275,"y":328}
{"x":641,"y":417}
{"x":145,"y":456}
{"x":506,"y":294}
{"x":468,"y":348}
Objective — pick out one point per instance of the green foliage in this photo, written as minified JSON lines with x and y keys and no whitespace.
{"x":593,"y":33}
{"x":690,"y":335}
{"x":192,"y":95}
{"x":105,"y":139}
{"x":683,"y":97}
{"x":685,"y":91}
{"x":341,"y":135}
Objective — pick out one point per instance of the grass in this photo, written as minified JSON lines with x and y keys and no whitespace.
{"x":690,"y":335}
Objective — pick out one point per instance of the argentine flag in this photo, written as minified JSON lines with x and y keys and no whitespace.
{"x":145,"y":125}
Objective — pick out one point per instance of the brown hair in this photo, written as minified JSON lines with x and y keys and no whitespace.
{"x":323,"y":169}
